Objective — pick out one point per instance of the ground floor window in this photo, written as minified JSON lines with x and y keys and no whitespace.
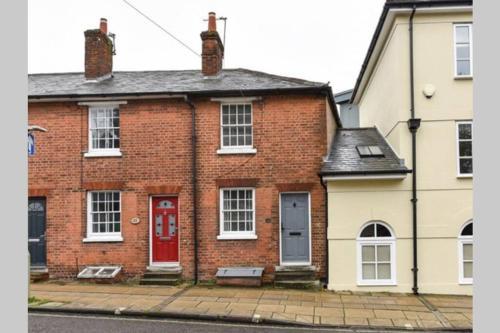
{"x":104,"y":214}
{"x":465,"y":256}
{"x":376,"y":255}
{"x":237,"y":212}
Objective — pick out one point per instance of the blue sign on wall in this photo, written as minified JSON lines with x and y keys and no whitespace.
{"x":31,"y":144}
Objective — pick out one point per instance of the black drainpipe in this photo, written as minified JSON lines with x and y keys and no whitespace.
{"x":195,"y":185}
{"x":413,"y":125}
{"x":326,"y":231}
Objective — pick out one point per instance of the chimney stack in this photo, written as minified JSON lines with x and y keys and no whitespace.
{"x":212,"y":49}
{"x":98,"y":52}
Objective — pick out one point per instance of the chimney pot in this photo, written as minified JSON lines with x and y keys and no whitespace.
{"x":212,"y":25}
{"x":103,"y":26}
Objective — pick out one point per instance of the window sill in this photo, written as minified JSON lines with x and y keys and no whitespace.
{"x":97,"y":153}
{"x":464,"y":176}
{"x":236,"y":237}
{"x":464,"y":77}
{"x":228,"y":151}
{"x":465,"y":283}
{"x":103,"y":239}
{"x":376,"y":283}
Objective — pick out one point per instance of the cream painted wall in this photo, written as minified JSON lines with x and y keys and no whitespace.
{"x":444,"y":200}
{"x":355,"y":203}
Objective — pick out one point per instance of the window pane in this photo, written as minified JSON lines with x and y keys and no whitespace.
{"x":368,"y":231}
{"x":382,"y":231}
{"x":462,"y":34}
{"x":383,"y":253}
{"x":463,"y":67}
{"x":467,"y":231}
{"x":465,"y":131}
{"x":467,"y":251}
{"x":465,"y":165}
{"x":368,"y":271}
{"x":465,"y":148}
{"x":384,"y":271}
{"x":368,"y":253}
{"x":467,"y":270}
{"x":463,"y":52}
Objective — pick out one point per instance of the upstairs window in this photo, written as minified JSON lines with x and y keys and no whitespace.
{"x":464,"y":148}
{"x":104,"y":129}
{"x":236,"y":126}
{"x":463,"y":50}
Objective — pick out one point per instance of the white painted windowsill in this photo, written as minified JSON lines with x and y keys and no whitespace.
{"x":376,"y":283}
{"x":465,"y":176}
{"x":99,"y":239}
{"x":463,"y":77}
{"x":228,"y":151}
{"x":236,"y":237}
{"x":103,"y":153}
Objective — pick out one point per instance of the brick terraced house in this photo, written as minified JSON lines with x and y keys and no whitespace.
{"x":187,"y":171}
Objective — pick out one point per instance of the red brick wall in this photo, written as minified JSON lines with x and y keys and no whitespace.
{"x":290,"y":138}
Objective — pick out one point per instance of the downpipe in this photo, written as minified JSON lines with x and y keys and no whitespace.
{"x":194,"y":180}
{"x":413,"y":125}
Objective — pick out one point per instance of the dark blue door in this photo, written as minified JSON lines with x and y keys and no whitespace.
{"x":295,"y":228}
{"x":36,"y":231}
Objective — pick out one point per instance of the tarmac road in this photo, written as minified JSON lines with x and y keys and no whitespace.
{"x":70,"y":323}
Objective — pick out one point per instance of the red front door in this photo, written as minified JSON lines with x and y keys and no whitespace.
{"x":165,"y":229}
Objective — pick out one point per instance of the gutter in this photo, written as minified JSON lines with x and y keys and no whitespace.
{"x":194,"y":180}
{"x":364,"y":173}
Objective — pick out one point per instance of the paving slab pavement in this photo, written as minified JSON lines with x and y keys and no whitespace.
{"x":300,"y":307}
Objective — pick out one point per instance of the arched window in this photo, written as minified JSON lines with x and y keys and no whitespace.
{"x":376,"y":255}
{"x":465,"y":257}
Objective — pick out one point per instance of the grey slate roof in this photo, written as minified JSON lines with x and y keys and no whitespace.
{"x":167,"y":82}
{"x":344,"y":158}
{"x":343,"y":97}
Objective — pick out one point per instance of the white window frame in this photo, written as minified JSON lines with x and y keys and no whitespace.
{"x":376,"y":241}
{"x":458,"y":123}
{"x":455,"y":26}
{"x":235,"y":235}
{"x":101,"y":152}
{"x":243,"y":149}
{"x":102,"y":236}
{"x":464,"y":240}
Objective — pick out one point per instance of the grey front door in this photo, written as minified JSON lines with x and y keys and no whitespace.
{"x":295,"y":228}
{"x":36,"y":231}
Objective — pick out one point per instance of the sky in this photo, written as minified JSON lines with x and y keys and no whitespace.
{"x":317,"y":40}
